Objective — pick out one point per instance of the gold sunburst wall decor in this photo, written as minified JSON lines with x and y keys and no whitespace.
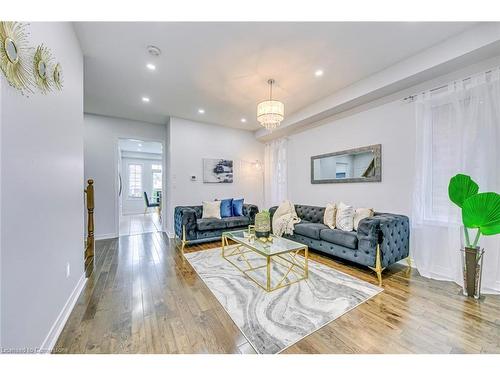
{"x":15,"y":55}
{"x":57,"y":76}
{"x":42,"y":62}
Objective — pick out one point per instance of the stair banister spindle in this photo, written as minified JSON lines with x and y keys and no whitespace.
{"x":89,"y":249}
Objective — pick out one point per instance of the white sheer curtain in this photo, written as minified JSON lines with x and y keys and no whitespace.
{"x":458,"y":131}
{"x":275,"y":172}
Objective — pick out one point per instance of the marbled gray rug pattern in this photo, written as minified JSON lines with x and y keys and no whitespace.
{"x":272,"y":321}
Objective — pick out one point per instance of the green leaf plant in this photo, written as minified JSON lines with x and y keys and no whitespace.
{"x":479,"y":210}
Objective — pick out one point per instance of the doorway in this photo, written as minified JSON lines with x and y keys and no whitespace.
{"x":140,"y":166}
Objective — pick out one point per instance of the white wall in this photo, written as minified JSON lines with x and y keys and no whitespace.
{"x":133,"y":205}
{"x":189,"y":143}
{"x":41,"y":188}
{"x":392,"y":125}
{"x":101,"y":163}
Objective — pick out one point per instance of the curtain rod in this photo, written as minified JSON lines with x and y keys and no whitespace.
{"x":411,"y":97}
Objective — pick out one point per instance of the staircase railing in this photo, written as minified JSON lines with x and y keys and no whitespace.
{"x":89,"y":245}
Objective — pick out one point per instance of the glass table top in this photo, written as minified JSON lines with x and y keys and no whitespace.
{"x":279,"y":245}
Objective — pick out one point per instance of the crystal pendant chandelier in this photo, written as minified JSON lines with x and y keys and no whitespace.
{"x":270,"y":112}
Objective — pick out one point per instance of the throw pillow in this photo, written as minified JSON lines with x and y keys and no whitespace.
{"x":238,"y":207}
{"x":330,"y":213}
{"x":345,"y":217}
{"x":211,"y":210}
{"x":226,"y":207}
{"x":360,"y":214}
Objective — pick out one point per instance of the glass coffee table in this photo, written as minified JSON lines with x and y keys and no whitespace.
{"x":272,"y":265}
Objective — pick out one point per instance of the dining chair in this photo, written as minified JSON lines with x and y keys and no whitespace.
{"x":149,"y":204}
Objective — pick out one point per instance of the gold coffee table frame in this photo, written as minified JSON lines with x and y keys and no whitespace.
{"x":287,"y":256}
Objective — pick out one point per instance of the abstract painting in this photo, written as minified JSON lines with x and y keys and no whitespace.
{"x":217,"y":171}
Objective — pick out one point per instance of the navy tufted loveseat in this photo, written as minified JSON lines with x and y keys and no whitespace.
{"x":191,"y":228}
{"x":380,"y":240}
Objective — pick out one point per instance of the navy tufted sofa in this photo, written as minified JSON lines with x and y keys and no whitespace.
{"x":380,"y":240}
{"x":191,"y":228}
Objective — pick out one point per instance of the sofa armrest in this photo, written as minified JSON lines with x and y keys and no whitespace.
{"x":250,"y":210}
{"x":395,"y":241}
{"x":272,"y":210}
{"x":391,"y":231}
{"x":185,"y":216}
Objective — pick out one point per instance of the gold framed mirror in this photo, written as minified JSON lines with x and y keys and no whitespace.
{"x":11,"y":50}
{"x":42,"y":69}
{"x":362,"y":164}
{"x":41,"y":62}
{"x":15,"y":56}
{"x":57,"y":76}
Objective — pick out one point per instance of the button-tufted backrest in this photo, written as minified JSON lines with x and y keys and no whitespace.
{"x":198,"y":210}
{"x":313,"y":214}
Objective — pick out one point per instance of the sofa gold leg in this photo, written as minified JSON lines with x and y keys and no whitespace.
{"x":180,"y":243}
{"x":408,"y":269}
{"x":183,"y":243}
{"x":379,"y":277}
{"x":378,"y":266}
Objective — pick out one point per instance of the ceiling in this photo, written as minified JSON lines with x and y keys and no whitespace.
{"x":223,"y":67}
{"x":136,"y":145}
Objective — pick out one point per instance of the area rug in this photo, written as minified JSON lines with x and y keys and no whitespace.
{"x":272,"y":321}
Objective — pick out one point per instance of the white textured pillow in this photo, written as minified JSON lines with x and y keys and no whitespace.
{"x":345,"y":217}
{"x":360,"y":214}
{"x":211,"y":210}
{"x":330,"y":213}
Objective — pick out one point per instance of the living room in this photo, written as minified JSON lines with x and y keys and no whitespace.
{"x":288,"y":186}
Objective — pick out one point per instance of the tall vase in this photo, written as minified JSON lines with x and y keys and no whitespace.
{"x":262,"y":225}
{"x":472,"y":265}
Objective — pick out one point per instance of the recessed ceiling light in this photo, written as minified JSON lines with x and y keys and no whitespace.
{"x":151,"y":66}
{"x":318,"y":73}
{"x":145,"y":99}
{"x":140,"y":145}
{"x":201,"y":111}
{"x":243,"y":120}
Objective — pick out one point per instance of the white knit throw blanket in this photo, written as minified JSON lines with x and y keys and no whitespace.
{"x":284,"y":219}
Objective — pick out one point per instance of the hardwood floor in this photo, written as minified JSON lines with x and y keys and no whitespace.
{"x":143,"y":297}
{"x":140,"y":223}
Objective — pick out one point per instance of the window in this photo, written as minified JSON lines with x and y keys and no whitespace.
{"x":444,"y":148}
{"x":135,"y":180}
{"x":156,"y":180}
{"x":156,"y":169}
{"x":443,"y":154}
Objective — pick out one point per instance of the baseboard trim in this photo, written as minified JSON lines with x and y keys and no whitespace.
{"x":404,"y":262}
{"x":106,"y":236}
{"x":56,"y":329}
